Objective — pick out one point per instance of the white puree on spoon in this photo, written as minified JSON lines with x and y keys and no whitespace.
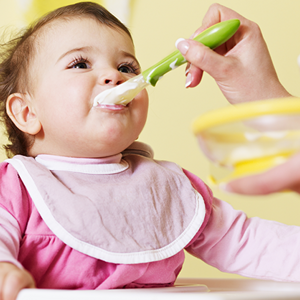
{"x":123,"y":93}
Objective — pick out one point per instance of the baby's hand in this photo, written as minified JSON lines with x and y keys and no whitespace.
{"x":12,"y":280}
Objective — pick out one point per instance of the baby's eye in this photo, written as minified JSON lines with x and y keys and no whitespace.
{"x":129,"y":68}
{"x":124,"y":69}
{"x":79,"y":63}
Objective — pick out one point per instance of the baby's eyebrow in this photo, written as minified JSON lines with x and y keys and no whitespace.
{"x":130,"y":55}
{"x":85,"y":49}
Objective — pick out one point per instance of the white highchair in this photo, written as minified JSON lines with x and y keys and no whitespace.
{"x":187,"y":289}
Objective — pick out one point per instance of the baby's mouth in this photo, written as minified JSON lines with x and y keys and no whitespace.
{"x":114,"y":107}
{"x":123,"y":93}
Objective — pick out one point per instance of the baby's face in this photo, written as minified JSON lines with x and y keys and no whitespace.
{"x":75,"y":61}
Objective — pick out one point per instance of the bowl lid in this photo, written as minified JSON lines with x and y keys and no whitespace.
{"x":245,"y":111}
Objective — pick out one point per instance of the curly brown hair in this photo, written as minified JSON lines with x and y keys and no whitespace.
{"x":15,"y":58}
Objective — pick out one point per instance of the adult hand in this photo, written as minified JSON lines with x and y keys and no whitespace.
{"x":13,"y":280}
{"x":280,"y":178}
{"x":242,"y":67}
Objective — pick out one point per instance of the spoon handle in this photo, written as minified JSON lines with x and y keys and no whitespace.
{"x":212,"y":37}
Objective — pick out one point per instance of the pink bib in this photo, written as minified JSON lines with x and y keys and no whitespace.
{"x":134,"y":211}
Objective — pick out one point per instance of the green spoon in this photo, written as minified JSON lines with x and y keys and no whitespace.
{"x":212,"y":37}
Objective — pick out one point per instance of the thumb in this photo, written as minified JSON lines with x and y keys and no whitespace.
{"x":283,"y":177}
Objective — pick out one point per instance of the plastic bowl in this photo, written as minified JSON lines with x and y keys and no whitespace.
{"x":249,"y":138}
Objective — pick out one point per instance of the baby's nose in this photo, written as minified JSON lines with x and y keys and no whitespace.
{"x":112,"y":77}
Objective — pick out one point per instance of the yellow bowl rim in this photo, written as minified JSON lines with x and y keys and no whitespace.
{"x":245,"y":111}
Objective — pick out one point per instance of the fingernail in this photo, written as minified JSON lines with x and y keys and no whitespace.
{"x":182,"y":45}
{"x":178,"y":41}
{"x":225,"y":187}
{"x":187,"y":69}
{"x":188,"y":80}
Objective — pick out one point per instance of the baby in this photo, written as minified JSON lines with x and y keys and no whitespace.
{"x":84,"y":206}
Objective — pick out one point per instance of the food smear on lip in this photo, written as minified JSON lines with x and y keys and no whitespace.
{"x":111,"y":106}
{"x":121,"y":94}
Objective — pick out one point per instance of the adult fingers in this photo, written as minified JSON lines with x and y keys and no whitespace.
{"x":202,"y":58}
{"x":215,"y":14}
{"x":280,"y":178}
{"x":193,"y":76}
{"x":218,"y":13}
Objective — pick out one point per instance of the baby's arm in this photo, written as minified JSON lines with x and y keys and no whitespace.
{"x":13,"y":277}
{"x":13,"y":280}
{"x":251,"y":247}
{"x":13,"y":220}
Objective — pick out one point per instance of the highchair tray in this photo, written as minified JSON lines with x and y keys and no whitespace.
{"x":185,"y":288}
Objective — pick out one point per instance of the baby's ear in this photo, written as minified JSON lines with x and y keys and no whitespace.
{"x":21,"y":112}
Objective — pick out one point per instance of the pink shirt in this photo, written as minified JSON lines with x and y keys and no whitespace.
{"x":227,"y":240}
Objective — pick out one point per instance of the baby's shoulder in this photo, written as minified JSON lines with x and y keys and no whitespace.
{"x":13,"y":195}
{"x":8,"y":175}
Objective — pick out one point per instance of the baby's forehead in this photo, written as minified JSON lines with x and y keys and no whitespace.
{"x":56,"y":30}
{"x":56,"y":27}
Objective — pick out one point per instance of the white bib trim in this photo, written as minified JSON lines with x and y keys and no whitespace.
{"x":112,"y":168}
